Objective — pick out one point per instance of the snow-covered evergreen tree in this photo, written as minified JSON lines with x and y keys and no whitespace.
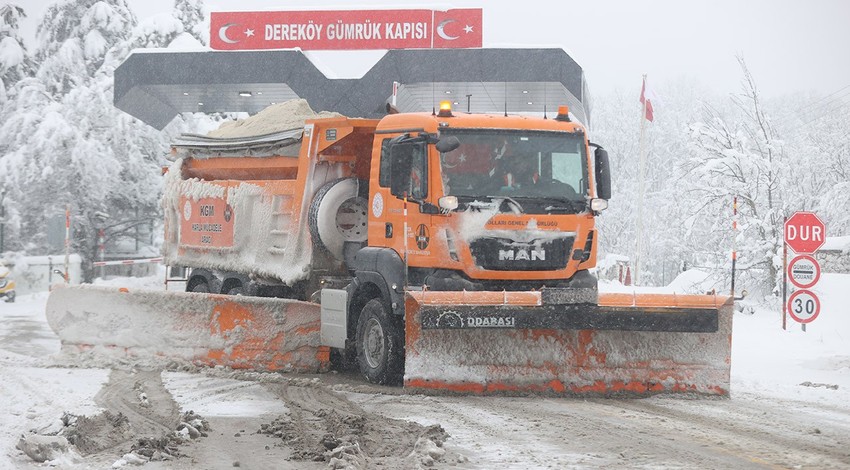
{"x":65,"y":142}
{"x":192,"y":15}
{"x":15,"y":63}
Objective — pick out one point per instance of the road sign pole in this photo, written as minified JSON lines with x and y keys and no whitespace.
{"x":734,"y":240}
{"x":784,"y":279}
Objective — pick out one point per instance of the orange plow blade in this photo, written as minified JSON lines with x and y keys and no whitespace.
{"x":521,"y":342}
{"x":255,"y":333}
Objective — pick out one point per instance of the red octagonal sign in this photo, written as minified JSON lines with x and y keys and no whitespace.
{"x":804,"y":232}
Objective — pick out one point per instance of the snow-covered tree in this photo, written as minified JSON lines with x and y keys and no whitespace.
{"x":64,"y":140}
{"x":667,"y":241}
{"x":740,"y":156}
{"x":192,"y":15}
{"x":74,"y":38}
{"x":15,"y":63}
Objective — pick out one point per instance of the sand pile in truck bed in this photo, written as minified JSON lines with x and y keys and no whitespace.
{"x":276,"y":118}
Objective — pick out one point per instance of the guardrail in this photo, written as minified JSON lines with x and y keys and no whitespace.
{"x":127,"y":261}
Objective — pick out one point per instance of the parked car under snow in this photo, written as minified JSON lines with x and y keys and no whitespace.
{"x":7,"y":284}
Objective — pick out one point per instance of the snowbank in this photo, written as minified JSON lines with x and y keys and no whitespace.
{"x":692,"y":281}
{"x":809,"y":366}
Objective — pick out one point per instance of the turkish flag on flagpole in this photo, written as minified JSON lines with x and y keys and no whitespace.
{"x":645,"y":100}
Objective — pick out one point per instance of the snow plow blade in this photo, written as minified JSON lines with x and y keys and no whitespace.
{"x":527,"y":342}
{"x":261,"y":334}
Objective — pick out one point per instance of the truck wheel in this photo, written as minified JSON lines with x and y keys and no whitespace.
{"x":380,"y":344}
{"x":10,"y":297}
{"x":201,"y":287}
{"x":343,"y":360}
{"x":337,"y":215}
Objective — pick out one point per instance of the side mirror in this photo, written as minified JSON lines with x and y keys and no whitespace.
{"x":603,"y":174}
{"x":447,"y":144}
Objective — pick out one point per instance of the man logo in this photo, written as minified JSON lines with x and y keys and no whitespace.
{"x":422,"y":237}
{"x":522,"y":255}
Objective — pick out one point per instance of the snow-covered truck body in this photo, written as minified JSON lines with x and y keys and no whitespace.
{"x":237,"y":210}
{"x":448,"y":251}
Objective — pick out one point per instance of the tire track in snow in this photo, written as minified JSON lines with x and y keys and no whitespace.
{"x":159,"y":416}
{"x":778,"y":432}
{"x":555,"y":433}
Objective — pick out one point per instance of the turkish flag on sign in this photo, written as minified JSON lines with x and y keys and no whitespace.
{"x":459,"y":28}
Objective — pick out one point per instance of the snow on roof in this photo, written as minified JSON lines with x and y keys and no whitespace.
{"x":837,"y":244}
{"x":186,"y":42}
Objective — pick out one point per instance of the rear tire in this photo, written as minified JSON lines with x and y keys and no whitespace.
{"x":201,"y":287}
{"x":380,"y":344}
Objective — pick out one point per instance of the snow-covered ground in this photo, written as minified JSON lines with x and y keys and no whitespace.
{"x":783,"y":376}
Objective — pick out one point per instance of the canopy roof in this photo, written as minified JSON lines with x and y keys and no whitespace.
{"x":155,"y":86}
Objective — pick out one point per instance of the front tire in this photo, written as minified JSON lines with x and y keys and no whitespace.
{"x":380,"y":344}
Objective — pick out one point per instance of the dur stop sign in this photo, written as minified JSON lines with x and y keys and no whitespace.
{"x":805,"y":232}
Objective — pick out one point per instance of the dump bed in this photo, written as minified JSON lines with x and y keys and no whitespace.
{"x":241,"y":204}
{"x":286,"y":143}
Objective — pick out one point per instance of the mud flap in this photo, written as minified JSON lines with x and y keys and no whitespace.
{"x":626,"y":345}
{"x":262,"y":334}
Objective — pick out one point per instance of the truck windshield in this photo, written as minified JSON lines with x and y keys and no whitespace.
{"x":533,"y":165}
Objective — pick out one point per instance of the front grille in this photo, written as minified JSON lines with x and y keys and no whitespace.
{"x":502,"y":254}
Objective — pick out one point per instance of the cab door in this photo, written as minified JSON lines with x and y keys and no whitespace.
{"x":403,"y":183}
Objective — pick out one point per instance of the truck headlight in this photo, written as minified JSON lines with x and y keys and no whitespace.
{"x":3,"y":283}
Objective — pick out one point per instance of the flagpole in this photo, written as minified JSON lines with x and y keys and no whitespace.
{"x":642,"y":151}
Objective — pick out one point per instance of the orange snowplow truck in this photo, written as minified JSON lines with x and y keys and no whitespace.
{"x":450,"y":252}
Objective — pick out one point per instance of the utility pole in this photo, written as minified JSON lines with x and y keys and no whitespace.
{"x":642,"y":150}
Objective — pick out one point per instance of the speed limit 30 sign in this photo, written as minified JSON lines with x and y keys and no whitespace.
{"x":804,"y":306}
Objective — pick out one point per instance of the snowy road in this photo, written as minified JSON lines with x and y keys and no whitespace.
{"x":745,"y":432}
{"x":790,"y":408}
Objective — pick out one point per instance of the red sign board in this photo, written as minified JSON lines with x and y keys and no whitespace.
{"x":346,"y":30}
{"x":207,"y":222}
{"x":805,"y":232}
{"x":804,"y":271}
{"x":803,"y":306}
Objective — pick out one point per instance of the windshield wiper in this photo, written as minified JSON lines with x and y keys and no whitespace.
{"x":576,"y":206}
{"x":571,"y":204}
{"x":518,"y":206}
